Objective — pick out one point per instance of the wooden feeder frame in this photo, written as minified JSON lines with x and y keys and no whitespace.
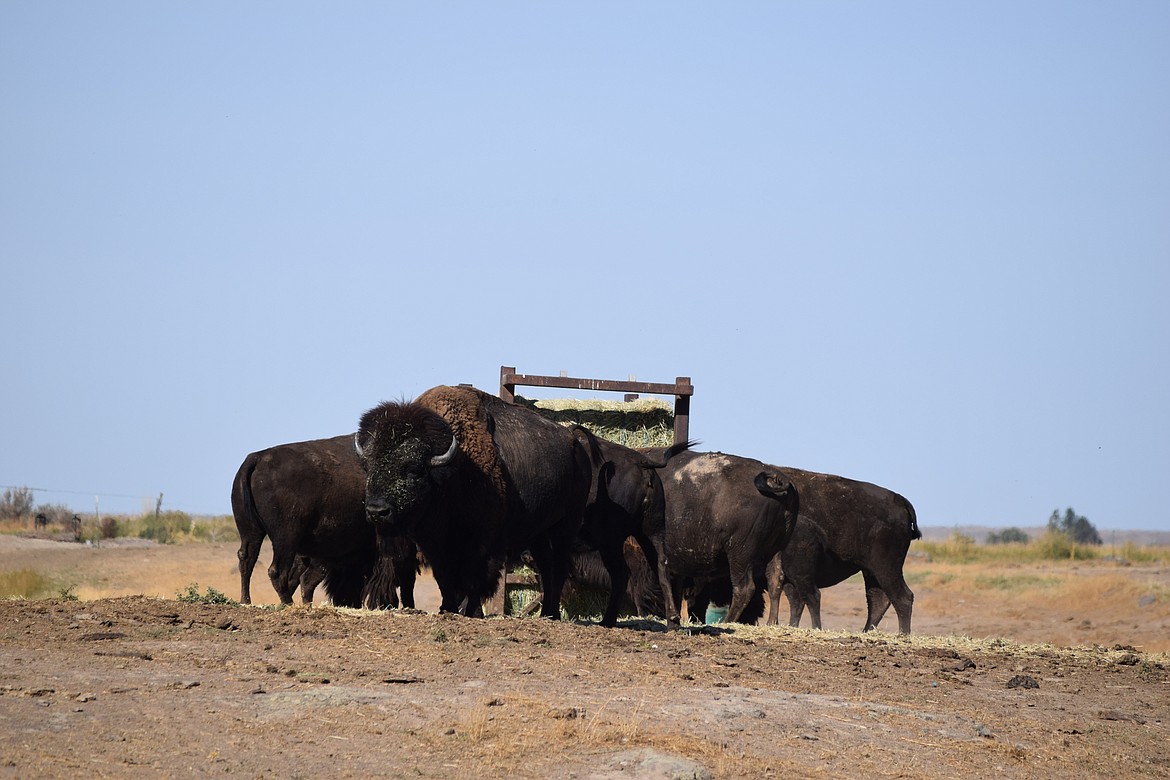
{"x":682,"y":390}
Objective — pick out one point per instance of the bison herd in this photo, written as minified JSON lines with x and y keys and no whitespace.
{"x":465,"y":482}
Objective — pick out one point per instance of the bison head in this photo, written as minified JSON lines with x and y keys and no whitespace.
{"x":404,"y":449}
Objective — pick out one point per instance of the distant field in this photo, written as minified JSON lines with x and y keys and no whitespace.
{"x":938,"y":533}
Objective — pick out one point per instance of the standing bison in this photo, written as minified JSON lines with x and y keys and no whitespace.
{"x":307,"y":497}
{"x":470,"y":479}
{"x":845,"y":526}
{"x":726,"y":517}
{"x":627,"y":501}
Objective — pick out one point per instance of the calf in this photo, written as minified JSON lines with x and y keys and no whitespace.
{"x":844,"y":527}
{"x":308,"y":498}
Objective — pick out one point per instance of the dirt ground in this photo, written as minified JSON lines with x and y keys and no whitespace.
{"x":1046,"y":671}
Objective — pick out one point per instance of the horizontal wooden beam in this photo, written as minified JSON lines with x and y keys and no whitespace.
{"x":509,"y":380}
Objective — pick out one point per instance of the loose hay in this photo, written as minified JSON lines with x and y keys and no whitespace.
{"x":644,"y":422}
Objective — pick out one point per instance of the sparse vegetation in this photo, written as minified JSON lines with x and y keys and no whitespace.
{"x":1051,"y":546}
{"x":1011,"y":535}
{"x":18,"y":515}
{"x":165,"y":527}
{"x":109,"y":527}
{"x":16,"y":502}
{"x":212,"y":596}
{"x":25,"y":584}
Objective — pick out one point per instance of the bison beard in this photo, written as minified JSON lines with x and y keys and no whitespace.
{"x":470,"y":479}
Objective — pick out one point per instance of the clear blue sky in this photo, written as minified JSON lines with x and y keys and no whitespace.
{"x":925,"y":244}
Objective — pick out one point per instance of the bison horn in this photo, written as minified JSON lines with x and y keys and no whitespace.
{"x":357,"y":445}
{"x":445,"y":458}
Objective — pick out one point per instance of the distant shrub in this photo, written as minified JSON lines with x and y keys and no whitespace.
{"x":109,"y":527}
{"x":215,"y":529}
{"x":1008,"y":536}
{"x":165,"y":527}
{"x":56,"y":513}
{"x":1057,"y":545}
{"x":16,"y":502}
{"x":1077,"y":527}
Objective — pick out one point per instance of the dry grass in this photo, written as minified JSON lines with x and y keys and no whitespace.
{"x":25,"y":584}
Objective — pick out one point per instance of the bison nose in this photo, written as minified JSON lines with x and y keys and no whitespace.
{"x":377,"y":510}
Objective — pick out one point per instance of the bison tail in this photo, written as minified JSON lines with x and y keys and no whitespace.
{"x":670,"y":452}
{"x":915,"y":533}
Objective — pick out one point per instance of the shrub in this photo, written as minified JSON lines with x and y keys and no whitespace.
{"x":16,"y":502}
{"x":109,"y":528}
{"x":212,"y":596}
{"x":165,"y":527}
{"x":215,"y":529}
{"x":1057,"y":545}
{"x":56,"y":513}
{"x":1011,"y":535}
{"x":1078,"y":527}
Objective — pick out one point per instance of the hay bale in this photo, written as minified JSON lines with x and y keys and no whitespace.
{"x":644,"y":422}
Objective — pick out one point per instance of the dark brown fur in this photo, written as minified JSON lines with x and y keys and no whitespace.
{"x":726,"y":517}
{"x":844,"y":527}
{"x":514,"y":481}
{"x":307,"y":497}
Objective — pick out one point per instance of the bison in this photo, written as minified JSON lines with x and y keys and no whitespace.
{"x":307,"y":497}
{"x":726,"y":517}
{"x":470,"y":479}
{"x":627,"y":501}
{"x":844,"y":527}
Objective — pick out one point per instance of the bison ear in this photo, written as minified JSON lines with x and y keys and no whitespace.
{"x":772,"y":484}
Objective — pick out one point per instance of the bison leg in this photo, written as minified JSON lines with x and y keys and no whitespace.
{"x":312,"y":574}
{"x":812,"y":600}
{"x":248,"y":553}
{"x":406,"y":578}
{"x":875,"y":599}
{"x":284,"y":576}
{"x":619,"y":578}
{"x":775,"y":576}
{"x":655,"y":553}
{"x":879,"y":593}
{"x":552,"y":581}
{"x":795,"y":605}
{"x":743,"y":587}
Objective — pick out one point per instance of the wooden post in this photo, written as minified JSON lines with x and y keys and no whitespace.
{"x":682,"y":409}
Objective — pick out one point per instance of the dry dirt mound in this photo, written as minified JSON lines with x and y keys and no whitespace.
{"x":148,"y":687}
